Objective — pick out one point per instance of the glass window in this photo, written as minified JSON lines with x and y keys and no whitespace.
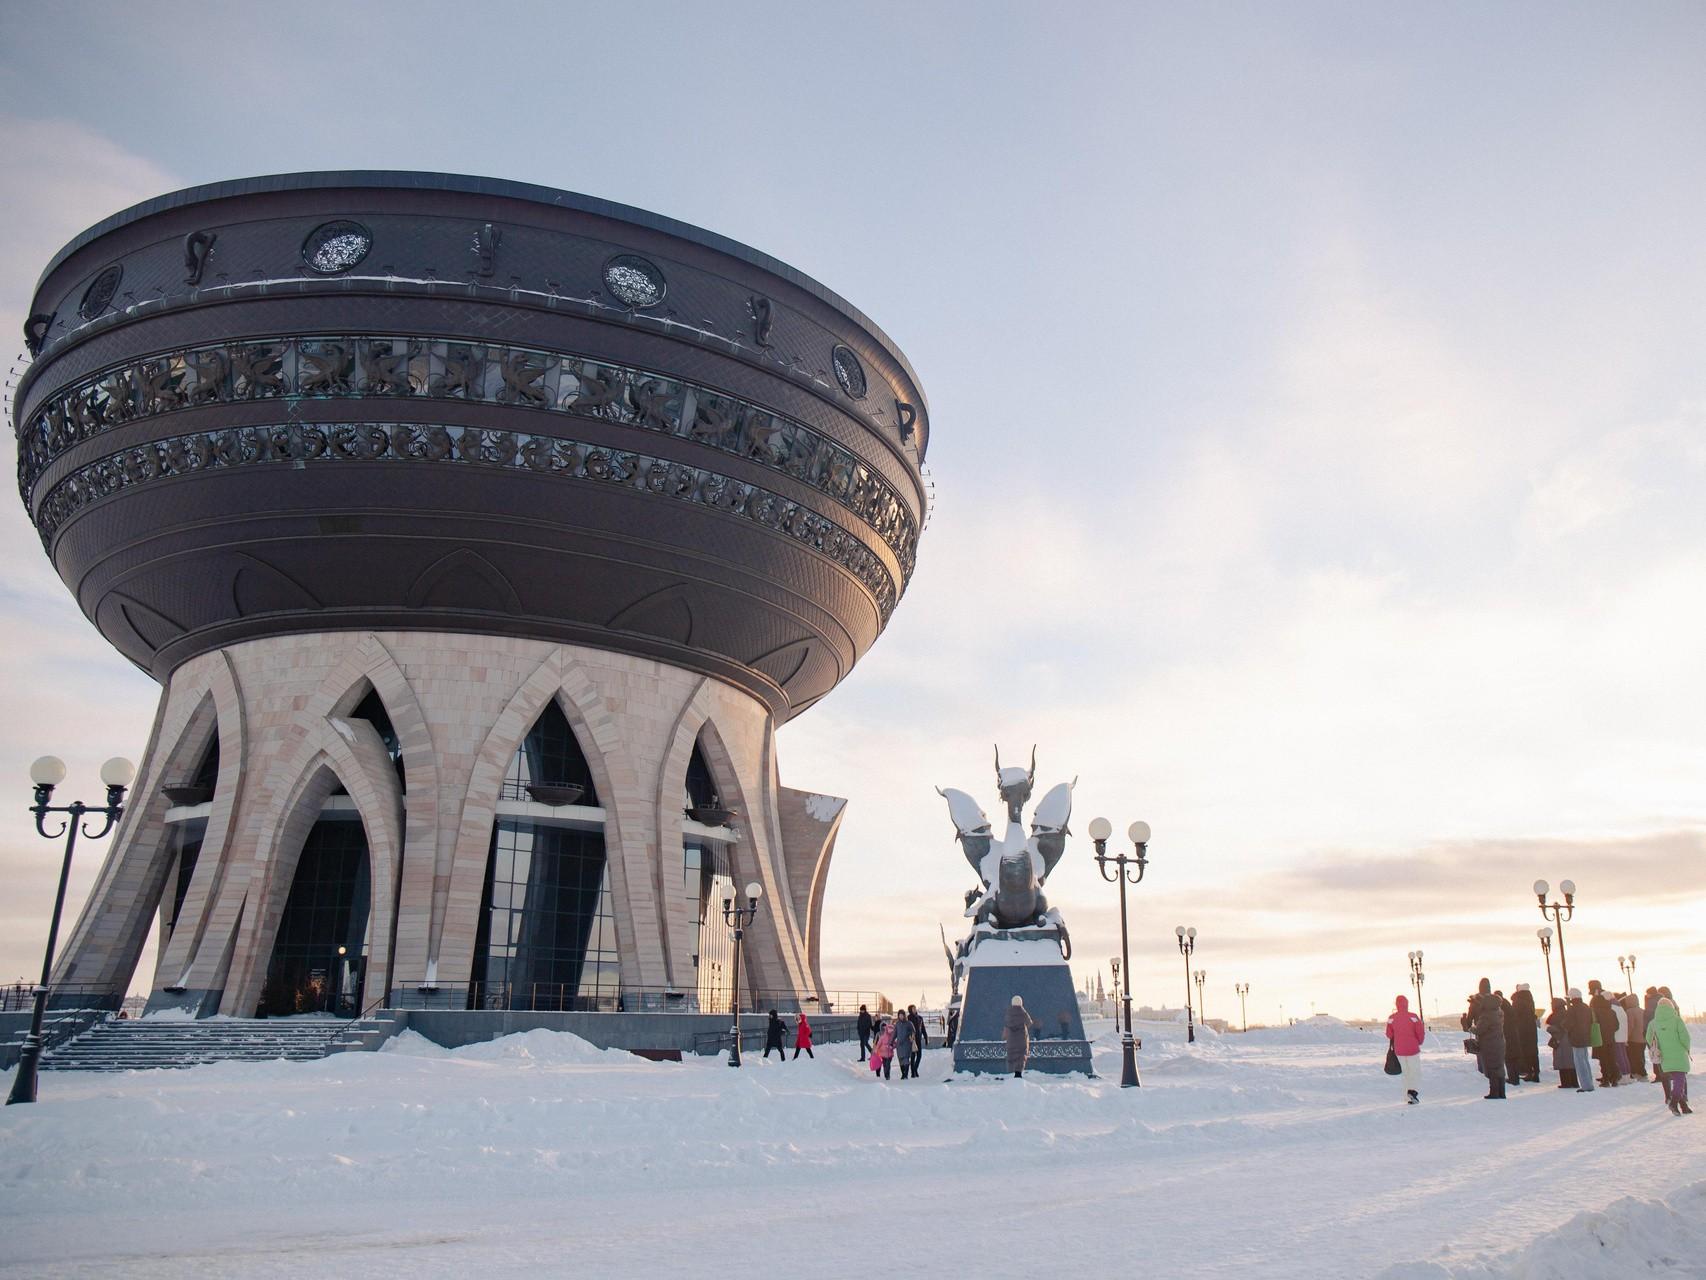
{"x":547,"y":934}
{"x":327,"y":909}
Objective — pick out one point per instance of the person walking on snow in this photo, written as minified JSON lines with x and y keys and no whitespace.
{"x":920,"y":1037}
{"x":1017,"y":1030}
{"x":882,"y":1056}
{"x":1527,"y":1033}
{"x":1637,"y":1040}
{"x":1486,"y":1018}
{"x":904,"y":1037}
{"x":1558,"y":1037}
{"x":773,"y":1037}
{"x":1406,"y":1031}
{"x":803,"y":1036}
{"x":1667,"y":1033}
{"x":864,"y":1033}
{"x":1620,"y":1045}
{"x":1604,"y":1034}
{"x":1579,"y":1026}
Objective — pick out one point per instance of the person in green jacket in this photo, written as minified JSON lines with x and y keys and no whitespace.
{"x":1667,"y":1034}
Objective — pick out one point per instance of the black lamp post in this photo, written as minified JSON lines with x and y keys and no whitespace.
{"x":1627,"y":965}
{"x":47,"y":773}
{"x":1114,"y":964}
{"x":1417,"y":978}
{"x":738,"y":918}
{"x":1187,"y":944}
{"x":1243,"y":990}
{"x":1558,"y":912}
{"x":1544,"y":933}
{"x":1138,"y":832}
{"x":1201,"y":977}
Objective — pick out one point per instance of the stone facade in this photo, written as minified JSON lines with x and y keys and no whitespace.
{"x":460,"y":705}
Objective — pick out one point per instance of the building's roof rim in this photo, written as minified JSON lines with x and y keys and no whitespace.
{"x":405,"y":179}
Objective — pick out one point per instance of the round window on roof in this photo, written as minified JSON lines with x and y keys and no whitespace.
{"x":334,"y":247}
{"x":849,"y":372}
{"x":99,"y":295}
{"x":635,"y":281}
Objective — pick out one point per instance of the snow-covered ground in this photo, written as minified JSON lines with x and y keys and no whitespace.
{"x":1280,"y":1153}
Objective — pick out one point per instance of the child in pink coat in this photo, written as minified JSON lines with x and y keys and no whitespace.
{"x":882,"y":1055}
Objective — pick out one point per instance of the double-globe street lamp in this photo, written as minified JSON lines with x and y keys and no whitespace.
{"x":1558,"y":912}
{"x":1627,"y":965}
{"x":739,"y":918}
{"x":1114,"y":964}
{"x":1417,"y":978}
{"x":1138,"y":833}
{"x":1243,"y":990}
{"x":1544,"y":933}
{"x":46,"y":774}
{"x":1201,"y":976}
{"x":1187,"y":944}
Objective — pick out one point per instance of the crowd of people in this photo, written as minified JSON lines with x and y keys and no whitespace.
{"x":1617,"y":1034}
{"x":885,"y":1039}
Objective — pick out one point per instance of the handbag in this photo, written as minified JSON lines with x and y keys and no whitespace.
{"x":1392,"y":1067}
{"x":1471,"y":1045}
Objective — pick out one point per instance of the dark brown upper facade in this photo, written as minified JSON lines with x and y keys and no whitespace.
{"x":319,"y":402}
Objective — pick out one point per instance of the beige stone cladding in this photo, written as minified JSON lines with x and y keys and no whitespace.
{"x":460,"y":705}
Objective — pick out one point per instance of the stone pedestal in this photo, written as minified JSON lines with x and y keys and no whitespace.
{"x":1000,"y":967}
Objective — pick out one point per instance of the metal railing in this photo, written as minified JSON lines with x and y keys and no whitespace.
{"x":557,"y":997}
{"x":838,"y":1029}
{"x":19,"y":996}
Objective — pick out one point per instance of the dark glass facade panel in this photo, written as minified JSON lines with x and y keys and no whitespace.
{"x":701,"y":790}
{"x":186,"y":849}
{"x":550,"y":754}
{"x":327,"y":908}
{"x":207,"y":772}
{"x":547,"y":934}
{"x":707,"y":882}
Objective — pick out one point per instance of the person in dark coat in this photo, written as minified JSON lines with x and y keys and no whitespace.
{"x":920,"y":1037}
{"x":1578,"y":1025}
{"x":865,"y":1025}
{"x":904,"y":1040}
{"x":1558,"y":1038}
{"x":1606,"y":1023}
{"x":773,"y":1037}
{"x":1513,"y":1068}
{"x":1527,"y":1030}
{"x":1016,"y":1029}
{"x":1486,"y":1019}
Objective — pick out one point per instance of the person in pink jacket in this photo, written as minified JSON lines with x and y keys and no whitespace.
{"x":803,"y":1036}
{"x":1406,"y":1031}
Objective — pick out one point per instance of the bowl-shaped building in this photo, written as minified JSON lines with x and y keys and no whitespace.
{"x":480,"y":535}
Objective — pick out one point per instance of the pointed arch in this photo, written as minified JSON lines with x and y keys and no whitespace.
{"x":348,"y":754}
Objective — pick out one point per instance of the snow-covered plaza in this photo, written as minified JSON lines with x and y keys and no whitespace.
{"x":1283,"y":1152}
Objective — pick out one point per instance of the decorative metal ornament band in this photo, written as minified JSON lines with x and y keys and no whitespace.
{"x":991,"y":1050}
{"x":409,"y":368}
{"x":299,"y":442}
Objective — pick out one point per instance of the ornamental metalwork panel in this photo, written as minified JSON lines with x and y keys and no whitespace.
{"x":397,"y":367}
{"x":304,"y":442}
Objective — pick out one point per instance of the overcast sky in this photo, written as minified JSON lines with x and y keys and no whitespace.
{"x":1318,"y":403}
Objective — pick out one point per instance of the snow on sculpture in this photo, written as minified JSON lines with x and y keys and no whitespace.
{"x":1013,"y":868}
{"x":1018,"y":944}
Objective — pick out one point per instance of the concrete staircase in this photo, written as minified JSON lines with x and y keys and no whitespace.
{"x":142,"y":1044}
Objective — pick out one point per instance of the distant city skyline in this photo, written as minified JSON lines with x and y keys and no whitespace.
{"x":1319,"y":432}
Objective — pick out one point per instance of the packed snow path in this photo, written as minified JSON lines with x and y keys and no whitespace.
{"x":1280,"y":1153}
